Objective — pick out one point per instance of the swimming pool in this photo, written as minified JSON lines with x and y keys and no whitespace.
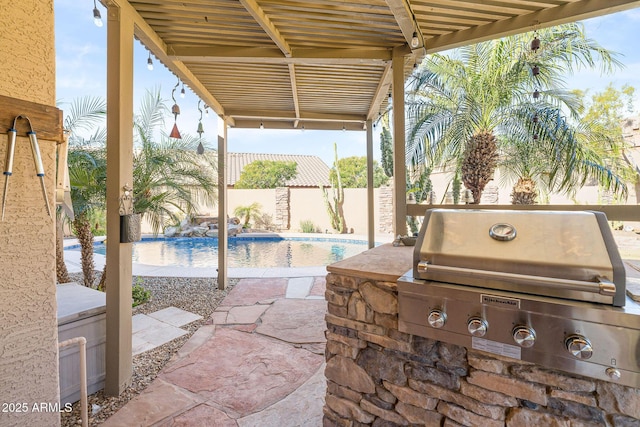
{"x":259,"y":252}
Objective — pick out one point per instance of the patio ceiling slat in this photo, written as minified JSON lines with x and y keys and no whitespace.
{"x":324,"y":59}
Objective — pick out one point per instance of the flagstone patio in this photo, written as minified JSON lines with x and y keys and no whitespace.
{"x":259,"y":363}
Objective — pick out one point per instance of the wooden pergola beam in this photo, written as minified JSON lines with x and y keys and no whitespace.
{"x":270,"y":55}
{"x":571,"y":12}
{"x":155,"y":44}
{"x":405,"y":18}
{"x":263,"y":20}
{"x":302,"y":115}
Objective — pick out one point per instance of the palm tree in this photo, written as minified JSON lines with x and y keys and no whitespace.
{"x":169,"y":177}
{"x":249,"y":212}
{"x":87,"y":174}
{"x":464,"y":109}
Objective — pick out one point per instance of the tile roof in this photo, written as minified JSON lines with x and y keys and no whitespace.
{"x":312,"y":171}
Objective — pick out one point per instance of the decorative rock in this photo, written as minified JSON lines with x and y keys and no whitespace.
{"x":407,"y":395}
{"x":544,"y":376}
{"x":385,"y":342}
{"x":382,"y":367}
{"x":433,"y":375}
{"x":522,"y":417}
{"x":381,"y":301}
{"x":347,"y":393}
{"x":417,"y":415}
{"x":334,"y":347}
{"x":345,"y":372}
{"x":583,"y":398}
{"x":200,"y":231}
{"x":353,"y":324}
{"x":358,"y":309}
{"x":337,"y":298}
{"x":486,"y":396}
{"x":491,"y":411}
{"x":622,"y":421}
{"x":386,"y":320}
{"x":453,"y":358}
{"x":467,"y":418}
{"x":425,"y":347}
{"x":352,"y":342}
{"x":348,"y":409}
{"x":486,"y":364}
{"x":385,"y":395}
{"x":383,"y":413}
{"x":186,"y":233}
{"x":212,"y":233}
{"x":575,"y":410}
{"x":170,"y":231}
{"x":619,"y":399}
{"x":509,"y":386}
{"x":331,"y":419}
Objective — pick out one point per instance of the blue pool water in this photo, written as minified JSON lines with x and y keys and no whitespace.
{"x":253,"y":252}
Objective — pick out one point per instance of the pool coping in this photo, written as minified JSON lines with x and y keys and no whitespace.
{"x":72,"y":259}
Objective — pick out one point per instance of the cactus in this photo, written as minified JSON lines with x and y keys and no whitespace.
{"x":335,"y":208}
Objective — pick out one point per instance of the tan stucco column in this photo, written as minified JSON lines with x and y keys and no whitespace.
{"x":119,"y":174}
{"x":371,"y":226}
{"x":222,"y":204}
{"x":399,"y":157}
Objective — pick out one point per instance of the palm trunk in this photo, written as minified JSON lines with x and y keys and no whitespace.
{"x":479,"y":163}
{"x":83,"y":232}
{"x":524,"y":192}
{"x":62,"y":274}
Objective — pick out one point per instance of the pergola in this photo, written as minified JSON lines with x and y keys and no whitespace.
{"x":289,"y":64}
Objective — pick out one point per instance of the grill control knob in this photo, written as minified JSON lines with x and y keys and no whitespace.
{"x":579,"y":347}
{"x":477,"y":326}
{"x":437,"y":318}
{"x":524,"y":336}
{"x":613,"y":373}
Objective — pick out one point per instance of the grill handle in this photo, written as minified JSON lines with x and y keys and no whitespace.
{"x":605,"y":287}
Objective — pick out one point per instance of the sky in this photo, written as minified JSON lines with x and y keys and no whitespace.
{"x":81,"y":49}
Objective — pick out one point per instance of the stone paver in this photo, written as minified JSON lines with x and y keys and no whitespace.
{"x":203,"y":416}
{"x":159,"y":401}
{"x":295,"y":321}
{"x":252,"y":291}
{"x":149,"y":333}
{"x":302,"y":408}
{"x":299,"y":287}
{"x":319,"y":287}
{"x":245,"y":314}
{"x":261,"y":362}
{"x":175,"y":316}
{"x":242,"y":373}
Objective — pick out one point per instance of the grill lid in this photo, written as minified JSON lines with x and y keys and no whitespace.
{"x":549,"y":253}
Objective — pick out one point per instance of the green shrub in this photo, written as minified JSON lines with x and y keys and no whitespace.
{"x":140,"y":295}
{"x":308,"y":226}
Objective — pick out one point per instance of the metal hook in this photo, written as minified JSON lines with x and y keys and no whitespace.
{"x":37,"y":159}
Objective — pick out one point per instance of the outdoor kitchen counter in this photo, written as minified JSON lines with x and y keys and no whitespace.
{"x":385,"y":263}
{"x":377,"y":375}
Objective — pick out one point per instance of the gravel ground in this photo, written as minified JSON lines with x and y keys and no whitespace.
{"x":197,"y":295}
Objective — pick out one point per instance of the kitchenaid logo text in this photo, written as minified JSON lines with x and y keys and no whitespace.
{"x":500,"y":301}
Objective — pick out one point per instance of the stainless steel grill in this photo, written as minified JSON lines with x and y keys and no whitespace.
{"x":546,"y":287}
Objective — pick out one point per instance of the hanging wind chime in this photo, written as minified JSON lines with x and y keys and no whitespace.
{"x":175,"y":110}
{"x":535,"y":71}
{"x":200,"y":131}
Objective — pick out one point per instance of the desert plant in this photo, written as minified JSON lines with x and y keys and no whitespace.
{"x":336,"y":209}
{"x":139,"y":294}
{"x":250,"y":212}
{"x":265,"y":222}
{"x":307,"y":226}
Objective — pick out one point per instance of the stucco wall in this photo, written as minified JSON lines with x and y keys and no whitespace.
{"x":28,"y":326}
{"x":306,"y":204}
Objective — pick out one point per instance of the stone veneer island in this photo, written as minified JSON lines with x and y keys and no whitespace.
{"x":379,"y":376}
